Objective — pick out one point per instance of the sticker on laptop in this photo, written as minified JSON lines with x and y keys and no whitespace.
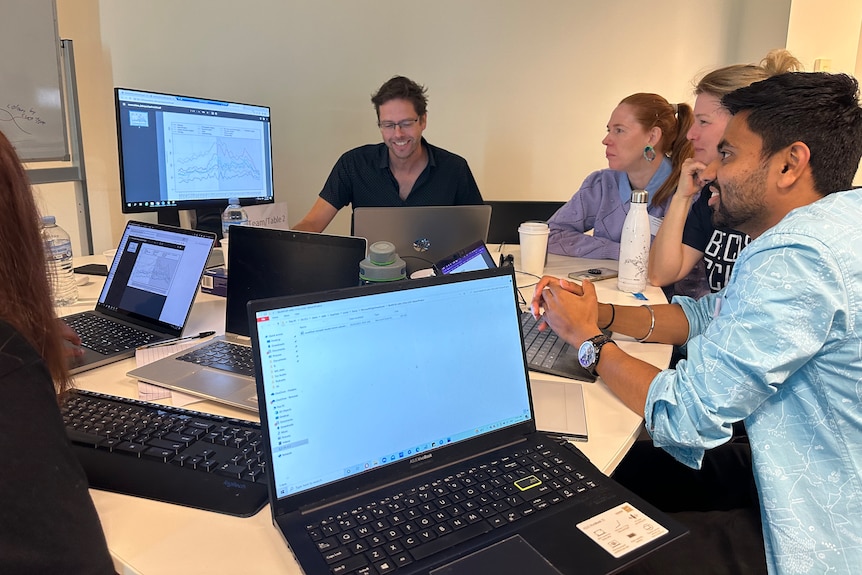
{"x":621,"y":529}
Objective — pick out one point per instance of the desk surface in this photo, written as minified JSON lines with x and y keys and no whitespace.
{"x":147,"y":537}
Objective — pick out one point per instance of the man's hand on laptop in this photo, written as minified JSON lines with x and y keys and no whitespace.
{"x":570,"y":309}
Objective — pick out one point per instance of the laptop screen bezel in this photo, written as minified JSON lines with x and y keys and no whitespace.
{"x":403,"y":469}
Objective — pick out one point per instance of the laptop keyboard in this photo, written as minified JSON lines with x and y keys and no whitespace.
{"x":223,"y":355}
{"x":105,"y":336}
{"x":382,"y":536}
{"x":542,"y":347}
{"x":168,"y":453}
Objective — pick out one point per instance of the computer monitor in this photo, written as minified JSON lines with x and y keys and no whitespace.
{"x":180,"y":152}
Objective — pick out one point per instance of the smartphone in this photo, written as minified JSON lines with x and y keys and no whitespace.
{"x":92,"y":269}
{"x":593,"y":274}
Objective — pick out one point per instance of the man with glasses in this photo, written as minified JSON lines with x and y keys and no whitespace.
{"x":404,"y":170}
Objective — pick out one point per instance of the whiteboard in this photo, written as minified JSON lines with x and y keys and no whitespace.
{"x":31,"y":99}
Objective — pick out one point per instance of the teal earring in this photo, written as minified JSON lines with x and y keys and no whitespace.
{"x":649,"y":153}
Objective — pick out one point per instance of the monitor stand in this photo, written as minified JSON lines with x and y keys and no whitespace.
{"x":169,"y":217}
{"x":206,"y":219}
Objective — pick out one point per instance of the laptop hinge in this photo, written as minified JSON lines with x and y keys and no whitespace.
{"x":239,"y":339}
{"x":312,"y":508}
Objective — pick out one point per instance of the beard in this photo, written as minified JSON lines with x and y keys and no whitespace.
{"x":740,"y":202}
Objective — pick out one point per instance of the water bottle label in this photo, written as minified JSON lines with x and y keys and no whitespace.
{"x":60,"y":251}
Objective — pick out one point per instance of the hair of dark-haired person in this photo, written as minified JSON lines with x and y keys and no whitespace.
{"x":401,"y":88}
{"x":25,"y":290}
{"x":651,"y":111}
{"x":729,"y":78}
{"x":818,"y":109}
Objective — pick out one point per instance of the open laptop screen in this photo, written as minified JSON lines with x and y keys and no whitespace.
{"x":474,"y":257}
{"x":358,"y":382}
{"x":155,"y":273}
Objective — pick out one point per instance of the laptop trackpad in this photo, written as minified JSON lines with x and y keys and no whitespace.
{"x":216,"y":383}
{"x":512,"y":556}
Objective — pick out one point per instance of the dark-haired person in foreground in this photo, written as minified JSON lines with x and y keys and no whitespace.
{"x":404,"y":170}
{"x":779,"y":347}
{"x":48,"y":523}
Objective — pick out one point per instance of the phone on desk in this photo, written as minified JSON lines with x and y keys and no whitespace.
{"x":92,"y":269}
{"x":593,"y":274}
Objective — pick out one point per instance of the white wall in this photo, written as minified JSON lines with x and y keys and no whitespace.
{"x":521,"y":89}
{"x":830,"y":30}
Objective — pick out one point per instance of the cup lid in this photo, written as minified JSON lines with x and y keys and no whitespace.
{"x":534,"y":227}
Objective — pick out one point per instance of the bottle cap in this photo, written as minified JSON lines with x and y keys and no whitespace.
{"x":233,"y":201}
{"x":639,"y":196}
{"x":49,"y":220}
{"x":382,"y":264}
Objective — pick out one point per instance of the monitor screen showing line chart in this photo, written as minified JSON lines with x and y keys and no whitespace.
{"x":182,"y":152}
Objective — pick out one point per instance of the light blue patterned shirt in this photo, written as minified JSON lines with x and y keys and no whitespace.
{"x":784,"y":354}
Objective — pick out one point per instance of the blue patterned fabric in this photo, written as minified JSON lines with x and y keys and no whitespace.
{"x":780,"y":348}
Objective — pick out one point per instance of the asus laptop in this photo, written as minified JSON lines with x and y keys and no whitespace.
{"x":399,"y":426}
{"x":423,"y":235}
{"x":546,"y":351}
{"x":263,"y":263}
{"x":148,"y":293}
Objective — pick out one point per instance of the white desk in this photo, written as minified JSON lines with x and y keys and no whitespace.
{"x":148,"y":537}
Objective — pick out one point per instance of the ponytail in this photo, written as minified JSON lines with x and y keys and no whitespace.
{"x":678,"y":151}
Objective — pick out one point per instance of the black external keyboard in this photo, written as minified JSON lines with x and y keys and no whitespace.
{"x":385,"y":535}
{"x":168,"y":453}
{"x":105,"y":336}
{"x":223,"y":355}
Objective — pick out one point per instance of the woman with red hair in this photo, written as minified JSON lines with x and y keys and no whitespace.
{"x":48,"y":523}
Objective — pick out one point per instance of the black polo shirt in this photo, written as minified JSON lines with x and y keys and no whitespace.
{"x":362,"y":177}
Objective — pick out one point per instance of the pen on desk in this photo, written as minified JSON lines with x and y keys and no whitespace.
{"x":566,"y":436}
{"x":201,"y":335}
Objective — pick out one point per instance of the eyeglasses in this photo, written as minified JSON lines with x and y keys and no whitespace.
{"x":403,"y":124}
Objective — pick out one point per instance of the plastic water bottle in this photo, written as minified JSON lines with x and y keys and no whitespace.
{"x":634,"y":245}
{"x":234,"y":215}
{"x":58,"y":251}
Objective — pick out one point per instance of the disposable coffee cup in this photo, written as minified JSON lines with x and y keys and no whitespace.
{"x":534,"y":247}
{"x":109,"y":257}
{"x":224,"y":248}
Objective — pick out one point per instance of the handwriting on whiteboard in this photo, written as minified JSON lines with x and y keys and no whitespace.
{"x":21,"y":117}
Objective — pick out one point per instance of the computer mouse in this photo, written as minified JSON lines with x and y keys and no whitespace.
{"x":81,"y":279}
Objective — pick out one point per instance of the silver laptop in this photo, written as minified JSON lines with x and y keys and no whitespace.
{"x":263,"y":263}
{"x":402,"y":438}
{"x":423,"y":234}
{"x":148,"y":293}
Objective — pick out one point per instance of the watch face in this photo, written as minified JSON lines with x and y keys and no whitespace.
{"x":587,"y":354}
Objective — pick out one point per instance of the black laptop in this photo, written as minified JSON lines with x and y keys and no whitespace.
{"x":148,"y":293}
{"x":399,"y":426}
